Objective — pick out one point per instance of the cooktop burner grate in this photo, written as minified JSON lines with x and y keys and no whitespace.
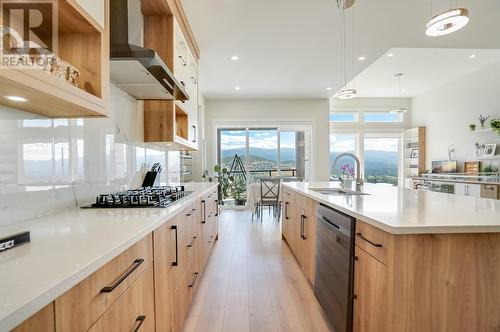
{"x":152,"y":197}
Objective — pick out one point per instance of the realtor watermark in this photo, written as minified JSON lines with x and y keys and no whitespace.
{"x":29,"y":34}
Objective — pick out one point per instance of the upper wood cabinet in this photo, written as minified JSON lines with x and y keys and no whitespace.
{"x":173,"y":124}
{"x":82,"y":42}
{"x":96,"y":9}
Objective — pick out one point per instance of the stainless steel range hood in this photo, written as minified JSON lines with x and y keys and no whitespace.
{"x":135,"y":69}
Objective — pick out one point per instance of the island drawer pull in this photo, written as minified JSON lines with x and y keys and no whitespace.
{"x":192,"y":242}
{"x":204,"y":214}
{"x":176,"y":262}
{"x":216,"y":207}
{"x":286,"y":211}
{"x":138,"y":322}
{"x":302,"y":227}
{"x":378,"y":245}
{"x":135,"y":265}
{"x":194,"y":280}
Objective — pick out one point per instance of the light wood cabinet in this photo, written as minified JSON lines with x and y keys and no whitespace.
{"x":370,"y":290}
{"x":81,"y":42}
{"x":299,"y":229}
{"x":134,"y":309}
{"x":489,"y":191}
{"x":148,"y":287}
{"x":172,"y":123}
{"x":42,"y":321}
{"x":82,"y":305}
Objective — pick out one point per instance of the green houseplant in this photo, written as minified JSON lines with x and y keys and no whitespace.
{"x":238,"y":191}
{"x":495,"y":125}
{"x":221,"y":174}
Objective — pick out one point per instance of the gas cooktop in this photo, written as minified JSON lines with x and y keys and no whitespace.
{"x":150,"y":197}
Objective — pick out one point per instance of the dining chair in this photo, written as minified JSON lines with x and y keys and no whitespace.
{"x":269,"y":196}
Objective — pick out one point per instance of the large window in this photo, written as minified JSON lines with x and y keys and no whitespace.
{"x":341,"y":143}
{"x":381,"y":158}
{"x":374,"y":137}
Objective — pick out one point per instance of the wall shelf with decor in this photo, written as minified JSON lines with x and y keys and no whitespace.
{"x":83,"y":46}
{"x":414,"y":153}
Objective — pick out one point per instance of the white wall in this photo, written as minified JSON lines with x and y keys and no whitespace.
{"x":314,"y":111}
{"x":448,"y":110}
{"x":50,"y":165}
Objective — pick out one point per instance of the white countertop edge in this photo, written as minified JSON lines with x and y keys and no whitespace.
{"x":16,"y":317}
{"x":400,"y":230}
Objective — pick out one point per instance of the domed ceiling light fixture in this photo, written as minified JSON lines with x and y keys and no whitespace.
{"x":399,"y":110}
{"x":447,"y":22}
{"x":345,"y":93}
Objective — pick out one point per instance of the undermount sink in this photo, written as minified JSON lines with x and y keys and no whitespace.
{"x":337,"y":192}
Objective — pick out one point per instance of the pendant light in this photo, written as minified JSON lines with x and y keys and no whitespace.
{"x":447,"y":22}
{"x":345,"y":93}
{"x":400,"y":110}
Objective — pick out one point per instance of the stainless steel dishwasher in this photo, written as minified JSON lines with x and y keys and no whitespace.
{"x":334,"y":282}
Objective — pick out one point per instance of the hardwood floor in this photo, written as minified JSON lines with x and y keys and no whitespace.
{"x":253,"y":282}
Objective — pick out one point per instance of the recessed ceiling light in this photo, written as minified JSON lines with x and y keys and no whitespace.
{"x":361,"y":58}
{"x":403,"y":89}
{"x":237,"y":88}
{"x":235,"y":57}
{"x":472,"y":56}
{"x":390,"y":55}
{"x":328,"y":89}
{"x":17,"y":98}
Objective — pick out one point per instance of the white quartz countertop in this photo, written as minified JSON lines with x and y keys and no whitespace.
{"x":407,"y":211}
{"x":67,"y":247}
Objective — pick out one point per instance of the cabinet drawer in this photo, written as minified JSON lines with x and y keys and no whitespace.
{"x":42,"y":321}
{"x":182,"y":298}
{"x":134,"y":309}
{"x":288,"y":195}
{"x":374,"y":241}
{"x":81,"y":306}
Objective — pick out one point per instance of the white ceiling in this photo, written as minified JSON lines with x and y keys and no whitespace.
{"x":423,"y":69}
{"x":291,"y":48}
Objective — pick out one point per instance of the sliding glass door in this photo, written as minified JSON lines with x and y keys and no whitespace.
{"x":266,"y":152}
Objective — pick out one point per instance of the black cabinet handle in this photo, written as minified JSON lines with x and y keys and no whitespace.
{"x":174,"y":227}
{"x":135,"y":265}
{"x":194,"y":280}
{"x":195,"y":132}
{"x":378,"y":245}
{"x":138,"y":322}
{"x":204,"y":214}
{"x":286,"y":211}
{"x":216,"y":207}
{"x":192,"y":242}
{"x":303,"y":227}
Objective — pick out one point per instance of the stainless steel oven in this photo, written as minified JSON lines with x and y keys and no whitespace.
{"x":334,"y":282}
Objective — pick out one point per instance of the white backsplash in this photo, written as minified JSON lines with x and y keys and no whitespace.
{"x":49,"y":165}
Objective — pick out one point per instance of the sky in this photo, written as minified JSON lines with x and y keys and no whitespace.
{"x":264,"y":139}
{"x":346,"y":143}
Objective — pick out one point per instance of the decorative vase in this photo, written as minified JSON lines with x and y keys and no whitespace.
{"x":347,"y":183}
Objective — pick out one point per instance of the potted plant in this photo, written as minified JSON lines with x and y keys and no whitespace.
{"x":347,"y":175}
{"x":472,"y":127}
{"x":239,"y":190}
{"x":223,"y":177}
{"x":482,"y":119}
{"x":495,"y":125}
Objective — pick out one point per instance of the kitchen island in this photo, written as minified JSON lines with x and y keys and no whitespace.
{"x":62,"y":274}
{"x":423,"y":261}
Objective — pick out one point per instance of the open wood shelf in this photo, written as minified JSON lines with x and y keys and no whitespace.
{"x":83,"y":44}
